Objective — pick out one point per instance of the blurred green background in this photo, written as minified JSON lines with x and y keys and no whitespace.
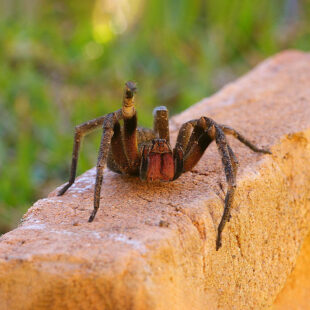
{"x":65,"y":62}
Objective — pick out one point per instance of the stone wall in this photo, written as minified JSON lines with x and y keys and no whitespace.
{"x":126,"y":258}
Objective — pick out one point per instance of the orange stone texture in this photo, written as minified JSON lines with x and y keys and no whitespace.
{"x":152,"y":246}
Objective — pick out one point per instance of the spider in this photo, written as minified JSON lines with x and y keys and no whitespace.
{"x":147,"y":153}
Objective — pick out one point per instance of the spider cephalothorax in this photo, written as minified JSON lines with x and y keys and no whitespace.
{"x":147,"y":153}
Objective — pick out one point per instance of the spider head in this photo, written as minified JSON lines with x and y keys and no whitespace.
{"x":157,"y":162}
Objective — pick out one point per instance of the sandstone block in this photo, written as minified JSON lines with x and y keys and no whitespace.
{"x":295,"y":294}
{"x":126,"y":258}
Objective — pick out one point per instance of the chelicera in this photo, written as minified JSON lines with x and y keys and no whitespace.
{"x":147,"y":153}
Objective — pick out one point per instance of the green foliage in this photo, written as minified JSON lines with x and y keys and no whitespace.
{"x":60,"y":66}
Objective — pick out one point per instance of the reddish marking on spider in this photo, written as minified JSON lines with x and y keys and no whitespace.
{"x":160,"y":162}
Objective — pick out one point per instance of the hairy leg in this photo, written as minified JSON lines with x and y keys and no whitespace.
{"x":130,"y":129}
{"x":235,"y":165}
{"x":144,"y":162}
{"x":131,"y":144}
{"x":230,"y":131}
{"x":194,"y":137}
{"x":234,"y":160}
{"x":198,"y":142}
{"x":185,"y":133}
{"x":230,"y":163}
{"x":161,"y":123}
{"x":107,"y":134}
{"x":117,"y":160}
{"x":204,"y":132}
{"x":230,"y":192}
{"x":80,"y":131}
{"x":124,"y":145}
{"x":111,"y":121}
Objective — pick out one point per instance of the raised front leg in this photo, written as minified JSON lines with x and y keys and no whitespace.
{"x":130,"y":129}
{"x":131,"y":144}
{"x":111,"y":124}
{"x":80,"y":131}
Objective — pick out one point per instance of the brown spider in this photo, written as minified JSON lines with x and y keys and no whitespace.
{"x":147,"y":153}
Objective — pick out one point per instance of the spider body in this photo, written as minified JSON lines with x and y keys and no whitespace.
{"x":147,"y":153}
{"x":156,"y":161}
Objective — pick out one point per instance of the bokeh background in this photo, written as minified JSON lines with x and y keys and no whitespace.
{"x":65,"y":62}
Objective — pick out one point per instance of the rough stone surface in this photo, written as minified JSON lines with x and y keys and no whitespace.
{"x":126,"y":259}
{"x":296,"y":293}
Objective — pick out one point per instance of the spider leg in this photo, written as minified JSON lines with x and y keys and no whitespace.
{"x":117,"y":160}
{"x":125,"y":154}
{"x":80,"y":131}
{"x":130,"y":128}
{"x":234,"y":160}
{"x":185,"y":133}
{"x":144,"y":161}
{"x":178,"y":158}
{"x":130,"y":144}
{"x":161,"y":123}
{"x":183,"y":138}
{"x":199,"y":140}
{"x":204,"y":132}
{"x":235,"y":166}
{"x":107,"y":134}
{"x":229,"y":162}
{"x":234,"y":163}
{"x":111,"y":123}
{"x":230,"y":131}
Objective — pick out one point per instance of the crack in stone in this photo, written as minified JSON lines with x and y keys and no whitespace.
{"x":144,"y":198}
{"x":241,"y":251}
{"x":200,"y":173}
{"x":201,"y":232}
{"x":176,"y":207}
{"x":239,"y":245}
{"x":218,"y":194}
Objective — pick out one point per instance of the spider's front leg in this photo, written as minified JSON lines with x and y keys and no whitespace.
{"x":106,"y":138}
{"x":128,"y":145}
{"x":80,"y":132}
